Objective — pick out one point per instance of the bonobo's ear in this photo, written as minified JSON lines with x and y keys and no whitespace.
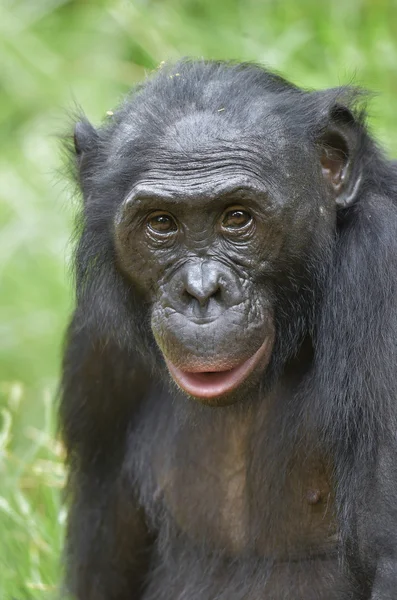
{"x":338,"y":151}
{"x":85,"y":139}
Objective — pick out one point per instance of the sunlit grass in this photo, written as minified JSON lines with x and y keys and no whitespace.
{"x":31,"y":515}
{"x":52,"y":54}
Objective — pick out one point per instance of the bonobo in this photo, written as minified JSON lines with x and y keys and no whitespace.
{"x":229,"y":400}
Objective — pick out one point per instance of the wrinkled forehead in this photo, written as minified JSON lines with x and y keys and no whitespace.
{"x":223,"y":145}
{"x":205,"y":154}
{"x":250,"y":142}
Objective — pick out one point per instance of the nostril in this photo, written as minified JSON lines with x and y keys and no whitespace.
{"x":201,"y":298}
{"x":217,"y":295}
{"x":204,"y":296}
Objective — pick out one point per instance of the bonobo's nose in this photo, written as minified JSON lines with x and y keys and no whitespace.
{"x":202,"y":281}
{"x":204,"y":288}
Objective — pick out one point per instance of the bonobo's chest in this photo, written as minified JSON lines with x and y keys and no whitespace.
{"x":237,"y":485}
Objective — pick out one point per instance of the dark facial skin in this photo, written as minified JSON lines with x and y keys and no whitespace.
{"x":203,"y":238}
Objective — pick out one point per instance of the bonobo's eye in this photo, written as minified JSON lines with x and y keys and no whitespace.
{"x":161,"y":222}
{"x":236,"y":218}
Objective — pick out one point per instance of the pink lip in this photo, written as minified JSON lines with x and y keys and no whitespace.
{"x":210,"y":384}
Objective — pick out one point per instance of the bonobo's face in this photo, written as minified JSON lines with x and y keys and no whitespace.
{"x":205,"y":237}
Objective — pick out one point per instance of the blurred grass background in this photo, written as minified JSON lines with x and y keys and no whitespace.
{"x":52,"y":54}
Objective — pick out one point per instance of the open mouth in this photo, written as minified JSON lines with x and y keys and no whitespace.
{"x":210,"y":384}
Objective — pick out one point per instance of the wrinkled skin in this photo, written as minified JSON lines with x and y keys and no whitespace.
{"x":229,"y":383}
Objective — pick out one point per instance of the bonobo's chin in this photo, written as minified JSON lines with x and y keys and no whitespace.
{"x":216,"y":386}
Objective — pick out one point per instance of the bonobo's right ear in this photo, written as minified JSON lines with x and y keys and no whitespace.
{"x":85,"y":139}
{"x":339,"y":143}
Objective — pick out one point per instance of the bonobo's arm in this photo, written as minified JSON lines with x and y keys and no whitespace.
{"x":108,"y":545}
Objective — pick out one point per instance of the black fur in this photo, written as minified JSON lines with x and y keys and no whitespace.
{"x":146,"y":462}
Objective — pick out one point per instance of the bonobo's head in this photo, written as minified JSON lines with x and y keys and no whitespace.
{"x":217,"y":189}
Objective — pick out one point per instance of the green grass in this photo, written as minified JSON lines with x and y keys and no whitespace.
{"x":54,"y":53}
{"x":31,"y":518}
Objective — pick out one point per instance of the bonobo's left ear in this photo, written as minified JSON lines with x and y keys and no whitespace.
{"x":85,"y":140}
{"x":338,"y":153}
